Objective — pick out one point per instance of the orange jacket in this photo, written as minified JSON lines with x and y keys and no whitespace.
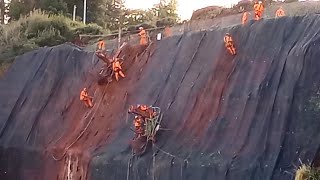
{"x":116,"y":64}
{"x":228,"y":39}
{"x":280,"y":12}
{"x":143,"y":33}
{"x":143,"y":107}
{"x":258,"y":7}
{"x":83,"y":95}
{"x":101,"y":45}
{"x":244,"y":17}
{"x":167,"y":31}
{"x":137,"y":122}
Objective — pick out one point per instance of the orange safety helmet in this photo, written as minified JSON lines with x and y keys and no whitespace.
{"x":143,"y":107}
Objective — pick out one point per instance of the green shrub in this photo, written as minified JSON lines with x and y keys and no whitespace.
{"x":11,"y":35}
{"x":49,"y":37}
{"x":92,"y":29}
{"x":54,"y":6}
{"x":75,"y":24}
{"x":40,"y":29}
{"x":59,"y":23}
{"x":165,"y":22}
{"x":18,"y":8}
{"x":132,"y":29}
{"x":37,"y":26}
{"x":18,"y":49}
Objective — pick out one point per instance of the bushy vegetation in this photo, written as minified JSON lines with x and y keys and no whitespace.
{"x":305,"y":172}
{"x":215,"y":11}
{"x":28,"y":31}
{"x":39,"y":29}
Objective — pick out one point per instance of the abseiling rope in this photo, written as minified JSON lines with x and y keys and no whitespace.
{"x":167,"y":153}
{"x":88,"y":124}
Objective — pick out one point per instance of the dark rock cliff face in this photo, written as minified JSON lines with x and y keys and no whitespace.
{"x":252,"y":116}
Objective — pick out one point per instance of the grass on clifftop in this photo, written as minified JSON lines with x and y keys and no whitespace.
{"x":39,"y":29}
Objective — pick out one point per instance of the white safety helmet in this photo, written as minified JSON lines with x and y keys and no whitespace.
{"x":135,"y":117}
{"x":260,"y":2}
{"x":140,"y":28}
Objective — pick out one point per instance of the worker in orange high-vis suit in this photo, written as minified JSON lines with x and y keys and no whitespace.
{"x":86,"y":98}
{"x":117,"y":69}
{"x":138,"y":125}
{"x":244,"y":19}
{"x":280,"y":12}
{"x":258,"y":10}
{"x":143,"y":107}
{"x":143,"y":36}
{"x":147,"y":109}
{"x":101,"y":46}
{"x":229,"y":44}
{"x":167,"y":32}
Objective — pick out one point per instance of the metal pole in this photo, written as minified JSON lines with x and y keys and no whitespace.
{"x":84,"y":11}
{"x":74,"y":12}
{"x":120,"y":18}
{"x":119,"y":36}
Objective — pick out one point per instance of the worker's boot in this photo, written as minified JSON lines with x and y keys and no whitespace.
{"x":87,"y":104}
{"x":121,"y":74}
{"x":230,"y":50}
{"x":90,"y":103}
{"x":117,"y":76}
{"x":234,"y":51}
{"x":256,"y":17}
{"x":259,"y":16}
